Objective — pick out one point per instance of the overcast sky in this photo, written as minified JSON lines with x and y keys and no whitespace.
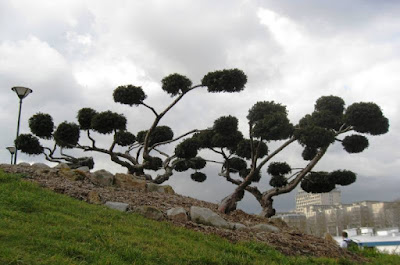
{"x":73,"y":53}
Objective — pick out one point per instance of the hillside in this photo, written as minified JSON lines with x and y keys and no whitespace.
{"x":40,"y":227}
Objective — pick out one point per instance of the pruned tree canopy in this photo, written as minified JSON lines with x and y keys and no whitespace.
{"x":67,"y":135}
{"x":28,"y":144}
{"x":129,"y":95}
{"x":42,"y":125}
{"x":107,"y":122}
{"x":175,"y":84}
{"x":85,"y":116}
{"x":231,"y":80}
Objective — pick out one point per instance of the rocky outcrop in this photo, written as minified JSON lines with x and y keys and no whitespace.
{"x":152,"y":187}
{"x":207,"y":217}
{"x":102,"y":178}
{"x":71,"y":174}
{"x":177,"y":214}
{"x":149,"y":212}
{"x":120,"y":206}
{"x":266,"y":228}
{"x":129,"y":182}
{"x":93,"y":197}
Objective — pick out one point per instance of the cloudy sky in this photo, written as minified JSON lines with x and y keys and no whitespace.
{"x":73,"y":53}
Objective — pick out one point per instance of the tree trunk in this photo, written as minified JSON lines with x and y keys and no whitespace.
{"x":229,"y":203}
{"x":267,"y":209}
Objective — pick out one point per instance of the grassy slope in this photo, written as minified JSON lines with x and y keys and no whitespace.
{"x":41,"y":227}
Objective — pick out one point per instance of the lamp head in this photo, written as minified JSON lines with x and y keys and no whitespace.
{"x":21,"y":91}
{"x":12,"y":149}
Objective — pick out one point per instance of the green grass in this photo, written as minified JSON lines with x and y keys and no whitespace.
{"x":38,"y":226}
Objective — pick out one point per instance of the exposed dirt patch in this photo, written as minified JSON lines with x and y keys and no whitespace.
{"x":289,"y":241}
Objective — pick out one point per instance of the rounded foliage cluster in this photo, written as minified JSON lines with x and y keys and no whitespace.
{"x":317,"y":182}
{"x":181,"y":165}
{"x":355,"y":143}
{"x":314,"y":136}
{"x":187,"y":149}
{"x":107,"y":122}
{"x":161,"y":134}
{"x":278,"y":181}
{"x":175,"y":83}
{"x":67,"y":135}
{"x":243,"y":149}
{"x":343,"y":177}
{"x":85,"y":116}
{"x":198,"y":177}
{"x":28,"y":144}
{"x":124,"y":138}
{"x":235,"y":164}
{"x":327,"y":119}
{"x":129,"y":95}
{"x":226,"y":125}
{"x":197,"y":163}
{"x":309,"y":153}
{"x":229,"y":141}
{"x":140,"y":136}
{"x":333,"y":104}
{"x":279,"y":169}
{"x":154,"y":163}
{"x":228,"y":80}
{"x":41,"y":125}
{"x":367,"y":118}
{"x":273,"y":127}
{"x":264,"y":108}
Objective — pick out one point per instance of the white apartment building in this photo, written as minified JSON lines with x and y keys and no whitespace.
{"x":304,"y":199}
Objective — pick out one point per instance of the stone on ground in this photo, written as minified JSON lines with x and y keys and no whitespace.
{"x":103,"y":177}
{"x":149,"y":212}
{"x":177,"y":214}
{"x":120,"y":206}
{"x":152,"y":187}
{"x":266,"y":228}
{"x":129,"y":182}
{"x":207,"y":217}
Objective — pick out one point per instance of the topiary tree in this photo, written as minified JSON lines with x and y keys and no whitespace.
{"x":65,"y":136}
{"x":315,"y":132}
{"x":142,"y":152}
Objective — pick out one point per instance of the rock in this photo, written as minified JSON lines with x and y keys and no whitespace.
{"x":84,"y":169}
{"x":207,"y":217}
{"x":61,"y":165}
{"x":24,"y":164}
{"x":128,"y":182}
{"x":237,"y":226}
{"x":93,"y":197}
{"x":150,"y":212}
{"x":71,"y":174}
{"x":177,"y":214}
{"x":120,"y":206}
{"x":40,"y":165}
{"x":102,"y":177}
{"x":266,"y":228}
{"x":152,"y":187}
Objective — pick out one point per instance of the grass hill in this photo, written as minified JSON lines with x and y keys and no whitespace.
{"x":38,"y":226}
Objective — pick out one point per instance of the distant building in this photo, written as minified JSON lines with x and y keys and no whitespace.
{"x":293,"y":220}
{"x":304,"y":199}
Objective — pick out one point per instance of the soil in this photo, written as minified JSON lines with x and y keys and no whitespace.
{"x":289,"y":241}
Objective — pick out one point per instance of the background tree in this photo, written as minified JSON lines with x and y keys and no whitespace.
{"x":143,"y":151}
{"x":316,"y":132}
{"x":65,"y":136}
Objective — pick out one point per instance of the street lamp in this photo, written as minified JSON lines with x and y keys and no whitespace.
{"x":12,"y":150}
{"x":22,"y":92}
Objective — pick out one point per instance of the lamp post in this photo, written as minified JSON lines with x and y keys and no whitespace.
{"x":22,"y":92}
{"x":12,"y":150}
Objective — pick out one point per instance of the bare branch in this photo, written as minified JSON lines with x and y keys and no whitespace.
{"x":175,"y":139}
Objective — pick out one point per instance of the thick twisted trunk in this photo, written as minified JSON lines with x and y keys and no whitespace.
{"x":229,"y":203}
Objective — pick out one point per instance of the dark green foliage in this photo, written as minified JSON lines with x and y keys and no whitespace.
{"x":314,"y":137}
{"x":333,"y":104}
{"x":140,"y":136}
{"x":279,"y":169}
{"x":204,"y":138}
{"x":235,"y":164}
{"x":366,"y":118}
{"x":28,"y":144}
{"x":67,"y":134}
{"x":107,"y":122}
{"x":226,"y":125}
{"x":343,"y":177}
{"x":327,"y":119}
{"x":161,"y":134}
{"x":175,"y":83}
{"x":317,"y":182}
{"x":198,"y":177}
{"x":355,"y":143}
{"x":256,"y":175}
{"x":278,"y":181}
{"x":265,"y":108}
{"x":181,"y":165}
{"x":41,"y":125}
{"x":227,"y":141}
{"x":309,"y":153}
{"x":187,"y":149}
{"x":243,"y":149}
{"x":85,"y":116}
{"x":124,"y":138}
{"x":129,"y":94}
{"x":154,"y":163}
{"x":273,"y":127}
{"x":306,"y":121}
{"x":197,"y":163}
{"x":231,"y":80}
